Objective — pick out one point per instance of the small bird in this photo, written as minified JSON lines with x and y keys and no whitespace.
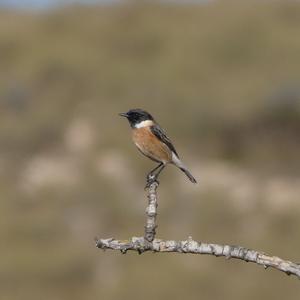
{"x":153,"y":142}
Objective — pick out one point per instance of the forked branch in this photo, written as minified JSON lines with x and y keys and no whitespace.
{"x":149,"y":243}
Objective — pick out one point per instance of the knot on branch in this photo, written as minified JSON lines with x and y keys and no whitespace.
{"x":150,"y":233}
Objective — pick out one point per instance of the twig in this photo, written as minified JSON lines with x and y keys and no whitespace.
{"x":141,"y":245}
{"x":151,"y":213}
{"x":149,"y":243}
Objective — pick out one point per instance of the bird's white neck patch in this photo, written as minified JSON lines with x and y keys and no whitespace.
{"x":145,"y":123}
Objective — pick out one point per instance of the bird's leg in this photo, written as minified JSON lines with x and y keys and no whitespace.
{"x":152,"y":171}
{"x":159,"y":171}
{"x":151,"y":177}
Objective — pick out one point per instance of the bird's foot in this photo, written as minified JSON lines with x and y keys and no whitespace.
{"x":151,"y":178}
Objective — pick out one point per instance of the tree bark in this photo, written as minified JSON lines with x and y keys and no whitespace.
{"x":149,"y":243}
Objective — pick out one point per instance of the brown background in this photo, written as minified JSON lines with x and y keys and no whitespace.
{"x":222,"y":78}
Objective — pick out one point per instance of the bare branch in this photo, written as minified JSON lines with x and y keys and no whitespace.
{"x":141,"y":245}
{"x":149,"y":243}
{"x":151,"y":213}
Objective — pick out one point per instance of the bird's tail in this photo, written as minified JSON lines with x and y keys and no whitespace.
{"x":178,"y":163}
{"x":188,"y":174}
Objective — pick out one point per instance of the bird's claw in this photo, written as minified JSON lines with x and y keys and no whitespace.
{"x":151,"y":178}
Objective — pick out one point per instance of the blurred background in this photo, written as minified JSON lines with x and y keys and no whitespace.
{"x":223,"y":79}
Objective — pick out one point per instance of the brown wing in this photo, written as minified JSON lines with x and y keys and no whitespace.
{"x":162,"y":136}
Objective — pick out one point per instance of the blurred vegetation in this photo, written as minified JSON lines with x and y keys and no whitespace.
{"x":222,"y":78}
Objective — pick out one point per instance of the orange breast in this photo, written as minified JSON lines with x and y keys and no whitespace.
{"x":150,"y":145}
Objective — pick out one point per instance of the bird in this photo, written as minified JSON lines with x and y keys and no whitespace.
{"x":153,"y":142}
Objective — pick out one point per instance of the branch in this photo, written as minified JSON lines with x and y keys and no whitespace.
{"x":149,"y":243}
{"x":141,"y":245}
{"x":151,"y":213}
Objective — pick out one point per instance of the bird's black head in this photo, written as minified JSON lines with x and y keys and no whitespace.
{"x":136,"y":116}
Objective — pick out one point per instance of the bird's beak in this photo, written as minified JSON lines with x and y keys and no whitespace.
{"x":123,"y":115}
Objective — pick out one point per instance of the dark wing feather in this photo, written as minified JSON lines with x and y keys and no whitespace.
{"x":161,"y":135}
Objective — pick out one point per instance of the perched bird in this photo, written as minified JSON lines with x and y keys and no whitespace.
{"x":153,"y":142}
